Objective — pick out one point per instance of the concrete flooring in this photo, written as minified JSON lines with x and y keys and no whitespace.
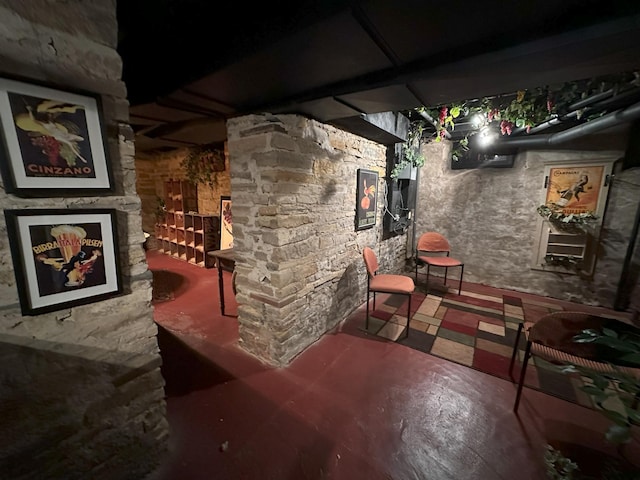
{"x":352,"y":406}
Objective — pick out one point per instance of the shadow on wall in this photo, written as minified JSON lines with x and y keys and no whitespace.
{"x":347,"y":294}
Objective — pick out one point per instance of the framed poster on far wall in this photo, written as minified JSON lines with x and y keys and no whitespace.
{"x":226,"y":223}
{"x":367,"y":199}
{"x":63,"y":257}
{"x":52,"y":141}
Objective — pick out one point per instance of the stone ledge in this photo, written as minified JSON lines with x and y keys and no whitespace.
{"x":270,"y":301}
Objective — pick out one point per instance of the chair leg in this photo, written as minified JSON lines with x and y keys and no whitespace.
{"x":366,"y":323}
{"x":408,"y":317}
{"x":527,"y":354}
{"x":461,"y":273}
{"x":515,"y":347}
{"x":428,"y":268}
{"x":446,"y":270}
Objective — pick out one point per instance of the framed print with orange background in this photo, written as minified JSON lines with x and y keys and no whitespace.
{"x":366,"y":199}
{"x":575,"y":189}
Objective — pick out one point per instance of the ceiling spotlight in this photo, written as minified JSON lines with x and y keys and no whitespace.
{"x":477,"y":120}
{"x":486,"y":137}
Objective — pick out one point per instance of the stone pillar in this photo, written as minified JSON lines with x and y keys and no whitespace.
{"x":300,"y":268}
{"x":81,"y":393}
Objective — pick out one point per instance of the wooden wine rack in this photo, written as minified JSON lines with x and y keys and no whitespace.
{"x":186,"y":234}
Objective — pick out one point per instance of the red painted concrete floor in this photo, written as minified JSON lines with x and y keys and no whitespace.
{"x":351,"y":406}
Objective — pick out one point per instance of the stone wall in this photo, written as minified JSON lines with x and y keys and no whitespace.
{"x":154,"y":169}
{"x":490,"y":217}
{"x":81,"y":393}
{"x":300,"y":267}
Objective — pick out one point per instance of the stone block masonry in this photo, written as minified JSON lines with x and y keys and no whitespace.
{"x":81,"y":393}
{"x":300,"y":268}
{"x":490,"y":217}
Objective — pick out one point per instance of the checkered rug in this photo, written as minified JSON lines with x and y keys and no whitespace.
{"x":476,"y":330}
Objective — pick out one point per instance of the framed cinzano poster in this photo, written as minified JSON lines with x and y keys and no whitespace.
{"x":367,"y":199}
{"x":226,"y":223}
{"x":63,"y":258}
{"x":52,"y":142}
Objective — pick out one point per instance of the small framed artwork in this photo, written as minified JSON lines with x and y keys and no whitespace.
{"x":52,"y":142}
{"x":367,"y":199}
{"x":63,"y":258}
{"x":226,"y":223}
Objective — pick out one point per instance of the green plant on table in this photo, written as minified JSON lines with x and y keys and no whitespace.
{"x":627,"y":349}
{"x":558,"y":466}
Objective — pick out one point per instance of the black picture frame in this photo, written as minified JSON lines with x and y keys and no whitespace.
{"x":366,"y":199}
{"x":63,"y":257}
{"x":53,"y":141}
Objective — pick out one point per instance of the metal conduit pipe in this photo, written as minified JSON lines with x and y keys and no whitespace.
{"x":614,"y":118}
{"x":585,"y":102}
{"x":599,"y":100}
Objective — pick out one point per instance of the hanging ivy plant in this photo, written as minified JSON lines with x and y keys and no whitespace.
{"x":411,"y":155}
{"x":200,"y":164}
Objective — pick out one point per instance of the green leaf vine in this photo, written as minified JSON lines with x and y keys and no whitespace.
{"x":411,"y":154}
{"x":555,"y":215}
{"x":200,"y":164}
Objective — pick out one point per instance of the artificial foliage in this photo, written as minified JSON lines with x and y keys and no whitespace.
{"x":519,"y":112}
{"x":201,"y":163}
{"x":556,"y":216}
{"x":411,"y":154}
{"x":626,"y":348}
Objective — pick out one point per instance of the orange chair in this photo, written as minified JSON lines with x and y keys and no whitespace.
{"x":385,"y":283}
{"x":435,"y":243}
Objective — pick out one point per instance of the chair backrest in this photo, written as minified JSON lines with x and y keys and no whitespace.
{"x":370,"y":260}
{"x":433,"y":242}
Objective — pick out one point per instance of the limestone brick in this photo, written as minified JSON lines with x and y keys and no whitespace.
{"x":89,"y":374}
{"x":300,"y":239}
{"x":490,"y":217}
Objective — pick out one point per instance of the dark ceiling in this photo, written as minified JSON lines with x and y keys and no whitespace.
{"x":191,"y":64}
